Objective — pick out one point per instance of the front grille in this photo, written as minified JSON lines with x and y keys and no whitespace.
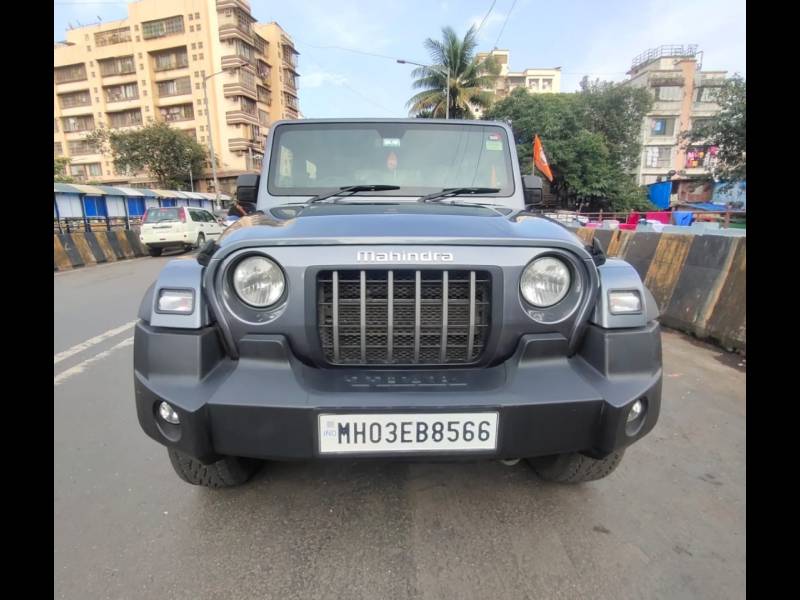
{"x":403,"y":316}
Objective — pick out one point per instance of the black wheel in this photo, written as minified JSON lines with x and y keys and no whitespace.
{"x":201,"y":239}
{"x":574,"y":467}
{"x":227,"y":472}
{"x":155,"y":251}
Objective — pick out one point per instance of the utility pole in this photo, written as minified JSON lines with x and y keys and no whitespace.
{"x":210,"y":134}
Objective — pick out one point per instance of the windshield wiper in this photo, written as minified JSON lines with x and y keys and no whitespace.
{"x":352,"y":189}
{"x":461,"y":191}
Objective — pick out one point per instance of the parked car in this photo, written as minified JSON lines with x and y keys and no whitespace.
{"x":179,"y":226}
{"x":396,"y":299}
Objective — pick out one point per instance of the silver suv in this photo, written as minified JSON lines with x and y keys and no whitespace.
{"x":393,"y":297}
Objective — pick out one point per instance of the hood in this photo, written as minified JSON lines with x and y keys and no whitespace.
{"x":441,"y":224}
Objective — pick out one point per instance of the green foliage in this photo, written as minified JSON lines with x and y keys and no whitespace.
{"x":591,"y":140}
{"x":164,"y":152}
{"x":728,"y":130}
{"x":60,"y":164}
{"x":467,"y":78}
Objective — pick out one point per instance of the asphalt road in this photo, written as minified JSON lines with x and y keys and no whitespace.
{"x":669,"y":523}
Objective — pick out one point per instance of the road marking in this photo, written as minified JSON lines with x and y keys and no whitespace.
{"x":91,"y":342}
{"x":81,"y":367}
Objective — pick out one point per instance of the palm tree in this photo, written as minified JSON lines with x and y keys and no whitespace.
{"x":467,"y":77}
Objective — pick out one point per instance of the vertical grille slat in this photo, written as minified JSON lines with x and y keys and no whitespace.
{"x":417,"y":312}
{"x":445,"y":294}
{"x":403,"y":316}
{"x":363,"y":294}
{"x":471,"y":338}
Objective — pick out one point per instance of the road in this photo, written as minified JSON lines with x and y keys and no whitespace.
{"x":669,"y":523}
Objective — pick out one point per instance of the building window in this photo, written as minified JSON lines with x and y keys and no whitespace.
{"x":175,"y":87}
{"x":197,"y":15}
{"x":248,"y":106}
{"x":175,"y":58}
{"x":81,"y":147}
{"x":198,"y":27}
{"x":263,"y":69}
{"x":200,"y":45}
{"x":194,"y":46}
{"x":162,"y":27}
{"x":247,"y":79}
{"x":120,"y":65}
{"x":263,"y":117}
{"x":121,"y":93}
{"x":243,"y":50}
{"x":70,"y":73}
{"x":658,"y":157}
{"x":260,"y":44}
{"x":181,"y":112}
{"x":191,"y":133}
{"x":547,"y":85}
{"x":533,"y":85}
{"x":701,"y":122}
{"x":707,"y":94}
{"x":701,"y":157}
{"x":113,"y":36}
{"x":191,"y":28}
{"x":57,"y":149}
{"x":125,"y":118}
{"x":82,"y":98}
{"x":264,"y":95}
{"x":669,"y":93}
{"x":290,"y":79}
{"x":662,"y":126}
{"x":84,"y":171}
{"x":80,"y":123}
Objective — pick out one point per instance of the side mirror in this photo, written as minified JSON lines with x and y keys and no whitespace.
{"x":247,"y":188}
{"x":533,"y":189}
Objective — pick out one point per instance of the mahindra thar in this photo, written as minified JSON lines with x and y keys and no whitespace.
{"x":393,"y":296}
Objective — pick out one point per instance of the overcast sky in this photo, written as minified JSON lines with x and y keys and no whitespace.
{"x":583,"y":37}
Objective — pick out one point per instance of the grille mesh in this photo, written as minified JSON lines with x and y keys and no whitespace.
{"x":403,"y":316}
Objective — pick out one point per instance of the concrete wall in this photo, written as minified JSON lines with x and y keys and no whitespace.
{"x":697,"y":280}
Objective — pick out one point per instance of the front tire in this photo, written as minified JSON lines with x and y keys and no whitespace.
{"x":155,"y":251}
{"x":574,"y":467}
{"x":229,"y":471}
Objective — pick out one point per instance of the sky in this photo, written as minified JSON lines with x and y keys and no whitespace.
{"x":337,"y":40}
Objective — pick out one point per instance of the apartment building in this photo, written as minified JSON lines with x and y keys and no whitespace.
{"x":684,"y":96}
{"x":534,"y":80}
{"x":152,"y":66}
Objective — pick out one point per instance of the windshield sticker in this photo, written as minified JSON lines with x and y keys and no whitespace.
{"x":494,"y":145}
{"x":494,"y":136}
{"x":391,"y":161}
{"x":391,"y":142}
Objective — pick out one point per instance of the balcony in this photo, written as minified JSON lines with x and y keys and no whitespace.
{"x":234,"y":61}
{"x":239,"y":88}
{"x":231,"y":30}
{"x":243,"y":4}
{"x":240,"y":144}
{"x":232,"y":117}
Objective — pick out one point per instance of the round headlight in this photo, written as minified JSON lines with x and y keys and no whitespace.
{"x":258,"y":281}
{"x":545,"y":281}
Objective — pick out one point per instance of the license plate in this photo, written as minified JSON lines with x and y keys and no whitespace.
{"x":407,"y":432}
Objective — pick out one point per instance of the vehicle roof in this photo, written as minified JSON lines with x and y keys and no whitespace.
{"x":391,"y":120}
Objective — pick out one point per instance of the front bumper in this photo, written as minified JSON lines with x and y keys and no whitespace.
{"x":265,"y":404}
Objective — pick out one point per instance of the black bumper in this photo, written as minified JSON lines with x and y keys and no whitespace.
{"x":265,"y":404}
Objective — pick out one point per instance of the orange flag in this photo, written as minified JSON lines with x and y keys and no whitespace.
{"x":540,"y":160}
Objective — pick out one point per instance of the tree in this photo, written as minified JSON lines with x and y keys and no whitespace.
{"x":591,"y":139}
{"x":165,"y":153}
{"x":727,"y":130}
{"x":467,"y":77}
{"x":60,"y":164}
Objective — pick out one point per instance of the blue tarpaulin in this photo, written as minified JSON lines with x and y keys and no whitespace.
{"x":659,"y":193}
{"x":682,"y":217}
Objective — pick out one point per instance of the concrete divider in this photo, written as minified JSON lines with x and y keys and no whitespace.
{"x":666,"y":266}
{"x":85,"y":248}
{"x":698,"y":280}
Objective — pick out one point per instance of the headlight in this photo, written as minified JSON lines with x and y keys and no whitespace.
{"x":545,"y":281}
{"x":258,"y":281}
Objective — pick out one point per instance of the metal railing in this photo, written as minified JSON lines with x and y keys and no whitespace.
{"x":726,"y":218}
{"x":77,"y":224}
{"x":664,"y":51}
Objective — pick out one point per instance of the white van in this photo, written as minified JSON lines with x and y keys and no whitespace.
{"x":179,"y":226}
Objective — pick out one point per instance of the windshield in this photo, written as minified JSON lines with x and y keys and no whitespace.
{"x":159,"y":215}
{"x":420,"y":158}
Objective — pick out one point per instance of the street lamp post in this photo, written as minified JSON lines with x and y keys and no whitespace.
{"x":210,"y":135}
{"x":434,"y":68}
